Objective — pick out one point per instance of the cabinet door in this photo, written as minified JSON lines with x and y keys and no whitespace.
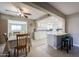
{"x":52,"y":40}
{"x":59,"y":38}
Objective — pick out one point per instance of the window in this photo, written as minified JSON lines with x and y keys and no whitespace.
{"x":16,"y":27}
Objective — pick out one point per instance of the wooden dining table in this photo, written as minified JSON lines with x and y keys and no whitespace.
{"x":12,"y":41}
{"x":11,"y":38}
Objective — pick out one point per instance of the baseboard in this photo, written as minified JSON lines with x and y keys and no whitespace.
{"x":59,"y":46}
{"x":76,"y":45}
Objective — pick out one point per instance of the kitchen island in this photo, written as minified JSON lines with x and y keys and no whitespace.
{"x":54,"y":39}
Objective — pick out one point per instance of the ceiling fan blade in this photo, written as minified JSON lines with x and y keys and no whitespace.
{"x":11,"y":11}
{"x":20,"y":10}
{"x":25,"y":16}
{"x":17,"y":7}
{"x":27,"y":13}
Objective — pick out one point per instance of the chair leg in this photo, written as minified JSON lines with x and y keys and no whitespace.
{"x":67,"y":47}
{"x":29,"y":48}
{"x":70,"y":47}
{"x":9,"y":54}
{"x":14,"y":52}
{"x":67,"y":51}
{"x":61,"y":45}
{"x":72,"y":42}
{"x":17,"y":53}
{"x":26,"y":51}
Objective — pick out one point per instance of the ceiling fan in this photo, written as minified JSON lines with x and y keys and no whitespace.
{"x":20,"y":12}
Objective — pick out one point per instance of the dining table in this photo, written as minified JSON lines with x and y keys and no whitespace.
{"x":12,"y":41}
{"x":11,"y":38}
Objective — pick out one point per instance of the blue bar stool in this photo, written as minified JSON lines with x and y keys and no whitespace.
{"x":67,"y":43}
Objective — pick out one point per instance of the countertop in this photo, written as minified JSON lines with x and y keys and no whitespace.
{"x":57,"y":34}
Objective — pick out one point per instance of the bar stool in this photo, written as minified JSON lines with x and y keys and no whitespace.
{"x":67,"y":42}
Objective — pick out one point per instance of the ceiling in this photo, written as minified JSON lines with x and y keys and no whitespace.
{"x":36,"y":13}
{"x":66,"y":8}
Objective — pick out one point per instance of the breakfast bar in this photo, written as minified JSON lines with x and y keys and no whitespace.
{"x":54,"y":39}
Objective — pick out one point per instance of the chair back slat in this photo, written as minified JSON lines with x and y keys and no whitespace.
{"x":21,"y":39}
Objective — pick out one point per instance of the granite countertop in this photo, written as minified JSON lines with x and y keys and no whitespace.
{"x":57,"y":34}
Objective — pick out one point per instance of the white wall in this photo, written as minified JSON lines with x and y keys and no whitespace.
{"x":3,"y":26}
{"x":72,"y":26}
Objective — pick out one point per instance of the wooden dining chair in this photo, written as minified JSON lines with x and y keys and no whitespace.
{"x":7,"y":43}
{"x":22,"y":44}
